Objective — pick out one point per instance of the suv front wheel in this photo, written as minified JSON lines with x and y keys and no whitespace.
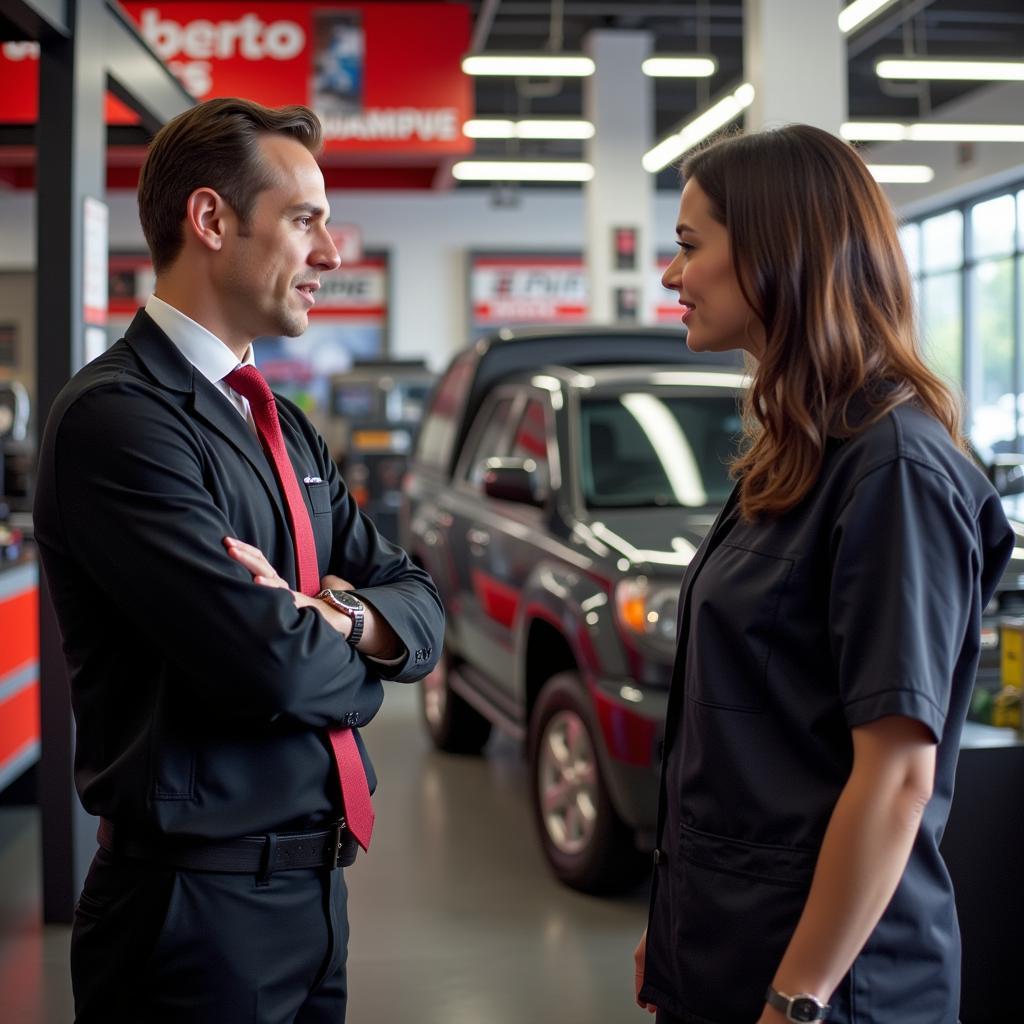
{"x":585,"y":841}
{"x":453,"y":725}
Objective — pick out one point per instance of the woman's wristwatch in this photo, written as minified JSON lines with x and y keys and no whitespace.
{"x":346,"y":603}
{"x":800,"y":1008}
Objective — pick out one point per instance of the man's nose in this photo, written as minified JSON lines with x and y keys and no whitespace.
{"x":326,"y":257}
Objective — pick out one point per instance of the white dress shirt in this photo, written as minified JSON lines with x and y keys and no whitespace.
{"x":205,"y":351}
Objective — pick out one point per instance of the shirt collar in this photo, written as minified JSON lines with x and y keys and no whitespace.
{"x":205,"y":351}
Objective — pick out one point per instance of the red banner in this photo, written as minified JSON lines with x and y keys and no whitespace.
{"x":383,"y":77}
{"x":528,"y":289}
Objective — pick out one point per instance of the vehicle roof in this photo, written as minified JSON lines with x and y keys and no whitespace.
{"x":612,"y":376}
{"x":513,"y":334}
{"x":511,"y":352}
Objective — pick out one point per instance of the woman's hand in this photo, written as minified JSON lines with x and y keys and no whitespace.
{"x":639,"y":957}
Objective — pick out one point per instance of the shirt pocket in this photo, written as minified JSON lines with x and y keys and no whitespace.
{"x":737,"y":906}
{"x":735,"y":600}
{"x":319,"y":494}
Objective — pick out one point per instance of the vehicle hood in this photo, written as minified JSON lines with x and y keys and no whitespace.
{"x":661,"y":538}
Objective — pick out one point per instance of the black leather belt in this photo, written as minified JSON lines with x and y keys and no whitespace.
{"x":250,"y":855}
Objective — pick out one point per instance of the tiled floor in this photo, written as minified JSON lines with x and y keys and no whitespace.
{"x":455,"y":919}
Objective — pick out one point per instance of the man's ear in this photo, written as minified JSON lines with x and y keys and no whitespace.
{"x":206,"y":214}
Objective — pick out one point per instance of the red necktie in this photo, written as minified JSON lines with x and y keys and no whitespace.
{"x":250,"y":383}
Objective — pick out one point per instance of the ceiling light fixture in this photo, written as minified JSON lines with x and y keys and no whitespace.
{"x":951,"y":70}
{"x":892,"y":131}
{"x":679,"y":67}
{"x":527,"y":65}
{"x":873,"y":131}
{"x":536,"y":128}
{"x":901,"y":174}
{"x":858,"y":13}
{"x":715,"y":117}
{"x":522,"y":170}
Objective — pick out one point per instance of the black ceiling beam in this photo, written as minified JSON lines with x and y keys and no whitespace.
{"x":137,"y":76}
{"x":34,"y":19}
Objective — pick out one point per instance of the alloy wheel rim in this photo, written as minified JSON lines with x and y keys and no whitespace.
{"x":567,"y":783}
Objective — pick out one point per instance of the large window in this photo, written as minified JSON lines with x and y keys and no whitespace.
{"x":967,"y":266}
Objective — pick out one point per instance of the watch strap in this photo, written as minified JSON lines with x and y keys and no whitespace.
{"x":356,"y":613}
{"x":800,"y":1008}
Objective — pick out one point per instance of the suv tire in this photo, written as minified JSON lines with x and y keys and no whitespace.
{"x":454,"y":726}
{"x":586,"y":843}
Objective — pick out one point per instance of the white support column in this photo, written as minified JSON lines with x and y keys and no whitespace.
{"x":618,"y":99}
{"x":795,"y":57}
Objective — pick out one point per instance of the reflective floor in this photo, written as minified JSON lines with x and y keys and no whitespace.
{"x":455,"y":919}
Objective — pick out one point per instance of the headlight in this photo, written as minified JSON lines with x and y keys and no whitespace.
{"x":648,"y":609}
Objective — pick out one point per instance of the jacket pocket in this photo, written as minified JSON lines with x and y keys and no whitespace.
{"x":736,"y":599}
{"x":319,"y":498}
{"x":737,"y":905}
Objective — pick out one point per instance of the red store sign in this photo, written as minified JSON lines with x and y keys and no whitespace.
{"x":528,"y":289}
{"x":383,"y":77}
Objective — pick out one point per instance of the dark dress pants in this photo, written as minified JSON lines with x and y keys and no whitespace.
{"x":153,"y":945}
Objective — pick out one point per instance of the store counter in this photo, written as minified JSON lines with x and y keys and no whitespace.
{"x":984,"y":849}
{"x":19,"y":668}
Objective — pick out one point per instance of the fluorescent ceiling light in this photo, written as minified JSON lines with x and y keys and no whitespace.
{"x":522,"y":170}
{"x":497,"y":128}
{"x":529,"y":65}
{"x":901,"y":174}
{"x":489,"y":128}
{"x":724,"y":111}
{"x":952,"y":70}
{"x":873,"y":131}
{"x":679,"y":67}
{"x":856,"y":14}
{"x":892,"y":131}
{"x":965,"y":132}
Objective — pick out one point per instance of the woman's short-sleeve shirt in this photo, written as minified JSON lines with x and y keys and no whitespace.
{"x":863,"y":601}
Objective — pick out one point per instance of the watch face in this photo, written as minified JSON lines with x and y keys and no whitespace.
{"x":345,"y":598}
{"x":803,"y":1009}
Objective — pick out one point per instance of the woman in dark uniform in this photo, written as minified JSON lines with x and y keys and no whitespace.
{"x":829,"y":625}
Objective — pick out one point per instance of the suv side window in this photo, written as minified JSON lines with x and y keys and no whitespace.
{"x":488,"y":433}
{"x":530,"y":440}
{"x":437,"y":433}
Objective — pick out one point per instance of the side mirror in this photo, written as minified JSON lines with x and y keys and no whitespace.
{"x":1007,"y":474}
{"x":512,"y":480}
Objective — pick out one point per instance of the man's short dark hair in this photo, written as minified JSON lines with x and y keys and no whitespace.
{"x":213,"y":145}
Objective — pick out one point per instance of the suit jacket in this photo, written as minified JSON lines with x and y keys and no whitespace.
{"x":201,"y":699}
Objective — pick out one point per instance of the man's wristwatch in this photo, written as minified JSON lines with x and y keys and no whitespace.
{"x":799,"y":1008}
{"x":348,"y":604}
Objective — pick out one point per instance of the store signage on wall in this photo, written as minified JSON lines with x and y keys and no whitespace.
{"x":383,"y":77}
{"x":527,"y":289}
{"x":357,"y":292}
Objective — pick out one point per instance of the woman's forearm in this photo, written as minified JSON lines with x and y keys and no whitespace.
{"x":863,"y":856}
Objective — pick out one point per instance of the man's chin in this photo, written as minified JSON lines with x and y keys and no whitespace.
{"x":293,"y":326}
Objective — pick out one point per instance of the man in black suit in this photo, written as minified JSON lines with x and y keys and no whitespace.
{"x":213,"y":686}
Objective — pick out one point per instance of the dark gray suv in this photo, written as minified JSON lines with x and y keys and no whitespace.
{"x":560,"y":484}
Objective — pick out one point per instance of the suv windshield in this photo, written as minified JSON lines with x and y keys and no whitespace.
{"x":645,"y":448}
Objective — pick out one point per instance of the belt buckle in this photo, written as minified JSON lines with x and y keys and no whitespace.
{"x":335,"y":849}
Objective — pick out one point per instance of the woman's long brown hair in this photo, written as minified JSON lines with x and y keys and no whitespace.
{"x":817,"y":255}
